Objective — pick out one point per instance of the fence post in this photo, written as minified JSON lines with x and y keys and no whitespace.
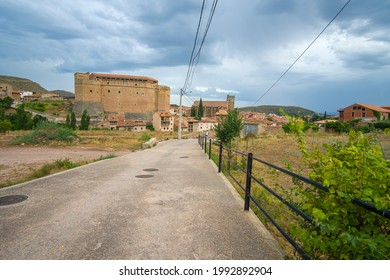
{"x":220,"y":157}
{"x":199,"y":140}
{"x":210,"y":148}
{"x":248,"y":181}
{"x":205,"y":144}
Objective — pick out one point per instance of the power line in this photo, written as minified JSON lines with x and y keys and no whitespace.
{"x":296,"y":60}
{"x":195,"y":58}
{"x":195,"y":42}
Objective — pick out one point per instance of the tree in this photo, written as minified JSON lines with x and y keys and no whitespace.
{"x":67,"y":122}
{"x":37,"y":119}
{"x":6,"y":102}
{"x":228,"y":128}
{"x":5,"y":126}
{"x":73,"y":121}
{"x":193,"y":111}
{"x":22,"y":119}
{"x":200,"y":110}
{"x":84,"y":121}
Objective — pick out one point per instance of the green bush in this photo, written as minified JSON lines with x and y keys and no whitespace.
{"x":343,"y":230}
{"x":46,"y":132}
{"x":145,"y":137}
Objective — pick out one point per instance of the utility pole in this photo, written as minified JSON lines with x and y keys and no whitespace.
{"x":180,"y":113}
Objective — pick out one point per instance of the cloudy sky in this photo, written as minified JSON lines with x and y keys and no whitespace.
{"x":249,"y":45}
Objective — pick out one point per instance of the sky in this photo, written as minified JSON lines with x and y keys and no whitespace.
{"x":248,"y":47}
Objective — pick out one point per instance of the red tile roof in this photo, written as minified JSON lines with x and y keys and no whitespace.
{"x":126,"y":77}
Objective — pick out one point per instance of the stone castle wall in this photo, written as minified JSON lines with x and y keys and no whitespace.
{"x":137,"y":97}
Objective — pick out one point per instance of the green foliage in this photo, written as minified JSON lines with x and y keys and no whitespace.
{"x":38,"y":119}
{"x":297,"y":124}
{"x":193,"y":111}
{"x":109,"y":156}
{"x":382,"y":125}
{"x":149,"y":126}
{"x":67,"y":121}
{"x":343,"y":230}
{"x":36,"y":106}
{"x":229,"y":127}
{"x":6,"y":102}
{"x":377,"y":115}
{"x":22,"y":120}
{"x":49,"y":168}
{"x":72,"y":121}
{"x":5,"y":126}
{"x":145,"y":137}
{"x":45,"y":132}
{"x":200,"y":113}
{"x":84,"y":125}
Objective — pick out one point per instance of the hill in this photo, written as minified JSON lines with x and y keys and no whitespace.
{"x":22,"y":84}
{"x":274,"y":109}
{"x":63,"y":93}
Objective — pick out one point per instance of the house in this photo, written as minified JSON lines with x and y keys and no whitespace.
{"x":163,"y":121}
{"x":205,"y":124}
{"x":119,"y":122}
{"x":365,"y":112}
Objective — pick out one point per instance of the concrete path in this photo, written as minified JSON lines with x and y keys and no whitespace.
{"x":182,"y":210}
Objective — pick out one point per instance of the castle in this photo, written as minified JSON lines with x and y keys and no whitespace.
{"x":137,"y":97}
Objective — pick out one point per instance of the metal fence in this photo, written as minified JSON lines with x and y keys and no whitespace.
{"x":207,"y":145}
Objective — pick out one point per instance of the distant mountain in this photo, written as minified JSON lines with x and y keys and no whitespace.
{"x":274,"y":109}
{"x":22,"y":84}
{"x":63,"y":93}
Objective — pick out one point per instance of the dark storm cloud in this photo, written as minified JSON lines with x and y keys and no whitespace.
{"x":249,"y":45}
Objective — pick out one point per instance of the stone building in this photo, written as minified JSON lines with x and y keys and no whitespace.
{"x":211,"y":108}
{"x":137,"y":97}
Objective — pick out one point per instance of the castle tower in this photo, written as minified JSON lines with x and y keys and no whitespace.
{"x":230,"y":99}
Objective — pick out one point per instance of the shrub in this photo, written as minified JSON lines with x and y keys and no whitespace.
{"x":145,"y":137}
{"x":343,"y":230}
{"x":45,"y":132}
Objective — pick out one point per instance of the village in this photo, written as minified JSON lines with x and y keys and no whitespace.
{"x":135,"y":103}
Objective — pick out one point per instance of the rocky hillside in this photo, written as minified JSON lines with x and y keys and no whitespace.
{"x":22,"y":84}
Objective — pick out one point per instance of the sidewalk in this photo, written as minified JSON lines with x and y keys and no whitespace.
{"x":167,"y":202}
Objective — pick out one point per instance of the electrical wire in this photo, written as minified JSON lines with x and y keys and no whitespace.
{"x":296,"y":60}
{"x":193,"y":48}
{"x":195,"y":58}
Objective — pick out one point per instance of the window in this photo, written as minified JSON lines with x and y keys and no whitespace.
{"x":108,"y":91}
{"x":363,"y":114}
{"x":90,"y":90}
{"x":354,"y":107}
{"x":353,"y":114}
{"x":119,"y":91}
{"x":364,"y":108}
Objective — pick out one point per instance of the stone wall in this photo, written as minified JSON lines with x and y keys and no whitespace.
{"x":137,"y":97}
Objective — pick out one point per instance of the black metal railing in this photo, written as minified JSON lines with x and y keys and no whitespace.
{"x":249,"y":177}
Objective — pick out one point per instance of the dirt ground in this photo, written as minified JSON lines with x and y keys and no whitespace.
{"x":17,"y":162}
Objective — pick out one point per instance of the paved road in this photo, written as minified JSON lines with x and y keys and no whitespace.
{"x":186,"y":210}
